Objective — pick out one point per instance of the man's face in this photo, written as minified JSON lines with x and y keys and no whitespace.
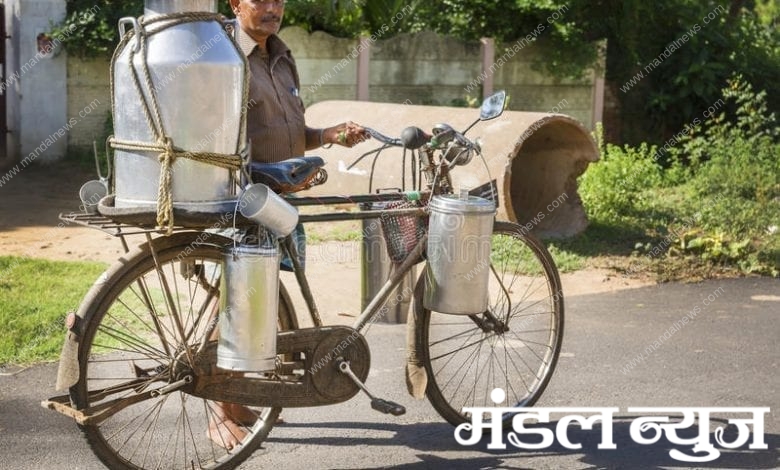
{"x":259,"y":18}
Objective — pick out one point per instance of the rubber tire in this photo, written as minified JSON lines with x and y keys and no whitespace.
{"x":125,"y":272}
{"x":434,"y":394}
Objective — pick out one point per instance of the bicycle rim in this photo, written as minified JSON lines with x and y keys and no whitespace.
{"x":514,"y":346}
{"x":141,"y":321}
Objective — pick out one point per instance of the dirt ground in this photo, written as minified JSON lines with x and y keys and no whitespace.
{"x":29,"y":226}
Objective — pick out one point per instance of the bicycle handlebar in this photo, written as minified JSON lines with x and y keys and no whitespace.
{"x":413,"y":137}
{"x":383,"y":138}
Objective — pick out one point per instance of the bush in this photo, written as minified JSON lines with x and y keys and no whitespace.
{"x":735,"y":165}
{"x":614,"y":189}
{"x":717,"y":206}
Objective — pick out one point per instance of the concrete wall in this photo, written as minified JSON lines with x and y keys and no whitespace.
{"x":425,"y":68}
{"x":421,"y":68}
{"x":88,"y":83}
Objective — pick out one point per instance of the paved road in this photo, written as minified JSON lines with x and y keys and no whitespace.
{"x":726,"y":356}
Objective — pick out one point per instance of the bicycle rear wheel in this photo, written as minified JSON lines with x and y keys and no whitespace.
{"x":145,"y":324}
{"x":514,"y":345}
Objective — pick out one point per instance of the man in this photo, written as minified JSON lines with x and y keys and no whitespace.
{"x":277,"y":130}
{"x":275,"y":123}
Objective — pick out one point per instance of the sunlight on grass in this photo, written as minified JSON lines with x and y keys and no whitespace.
{"x":508,"y":254}
{"x":35,"y":296}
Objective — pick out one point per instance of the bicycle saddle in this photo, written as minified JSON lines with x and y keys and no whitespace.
{"x":289,"y":176}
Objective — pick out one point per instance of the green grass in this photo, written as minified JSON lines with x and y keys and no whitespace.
{"x":35,"y":296}
{"x":565,"y":260}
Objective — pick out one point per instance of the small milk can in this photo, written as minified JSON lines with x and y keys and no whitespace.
{"x":458,"y":268}
{"x":249,"y":297}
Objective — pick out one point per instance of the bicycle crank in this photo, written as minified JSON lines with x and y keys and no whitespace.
{"x":307,"y":372}
{"x":379,"y":404}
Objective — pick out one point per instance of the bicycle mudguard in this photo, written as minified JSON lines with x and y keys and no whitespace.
{"x":416,"y":376}
{"x":68,"y":370}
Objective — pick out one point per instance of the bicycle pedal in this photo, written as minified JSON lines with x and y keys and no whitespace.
{"x":384,"y":406}
{"x":387,"y":407}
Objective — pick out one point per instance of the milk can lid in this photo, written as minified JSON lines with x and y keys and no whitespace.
{"x":453,"y":203}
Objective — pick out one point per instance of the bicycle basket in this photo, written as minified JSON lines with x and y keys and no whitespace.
{"x":402,"y":233}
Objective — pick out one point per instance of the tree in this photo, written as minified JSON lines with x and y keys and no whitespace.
{"x":679,"y":53}
{"x":90,"y":27}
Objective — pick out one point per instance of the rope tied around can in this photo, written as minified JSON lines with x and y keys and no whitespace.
{"x":168,"y":153}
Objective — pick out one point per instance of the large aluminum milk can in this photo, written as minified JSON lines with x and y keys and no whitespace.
{"x":458,"y":269}
{"x":249,"y":301}
{"x":198,"y":76}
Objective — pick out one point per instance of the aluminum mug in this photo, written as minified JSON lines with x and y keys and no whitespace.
{"x":260,"y":204}
{"x":90,"y":194}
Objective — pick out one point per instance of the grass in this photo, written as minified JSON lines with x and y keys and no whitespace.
{"x":35,"y":296}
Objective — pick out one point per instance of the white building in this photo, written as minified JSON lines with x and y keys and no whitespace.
{"x":33,"y":90}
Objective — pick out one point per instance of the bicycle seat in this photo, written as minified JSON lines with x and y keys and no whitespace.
{"x":289,"y":176}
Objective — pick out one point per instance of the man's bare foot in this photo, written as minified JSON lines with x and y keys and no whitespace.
{"x":228,"y":422}
{"x":240,"y":413}
{"x":226,"y":425}
{"x":225,"y":432}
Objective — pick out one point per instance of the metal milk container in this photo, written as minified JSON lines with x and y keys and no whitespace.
{"x":458,"y":268}
{"x":197,"y":78}
{"x":249,"y":301}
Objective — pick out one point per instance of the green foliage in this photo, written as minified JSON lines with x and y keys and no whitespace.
{"x":352,"y":18}
{"x":90,"y":28}
{"x":768,"y":11}
{"x":341,"y":18}
{"x":686,"y":61}
{"x":724,"y":212}
{"x":735,"y":163}
{"x":33,"y":326}
{"x":676,"y":89}
{"x":616,"y":188}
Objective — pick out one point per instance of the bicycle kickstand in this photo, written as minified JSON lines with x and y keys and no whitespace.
{"x":379,"y":404}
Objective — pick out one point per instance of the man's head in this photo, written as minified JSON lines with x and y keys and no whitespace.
{"x":259,"y":18}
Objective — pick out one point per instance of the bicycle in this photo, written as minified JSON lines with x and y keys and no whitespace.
{"x":139,"y":360}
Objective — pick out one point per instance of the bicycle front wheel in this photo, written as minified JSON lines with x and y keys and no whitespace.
{"x":149,"y":324}
{"x":513,"y":345}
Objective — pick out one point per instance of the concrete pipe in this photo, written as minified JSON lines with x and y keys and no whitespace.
{"x":535,"y":159}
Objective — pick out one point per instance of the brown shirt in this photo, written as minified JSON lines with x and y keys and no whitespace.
{"x":275,"y":123}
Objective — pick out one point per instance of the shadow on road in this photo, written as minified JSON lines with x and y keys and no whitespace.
{"x":438,"y":438}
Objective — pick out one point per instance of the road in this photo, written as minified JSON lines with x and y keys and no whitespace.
{"x":725,"y":355}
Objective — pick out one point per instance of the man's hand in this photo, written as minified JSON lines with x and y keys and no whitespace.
{"x":347,"y":134}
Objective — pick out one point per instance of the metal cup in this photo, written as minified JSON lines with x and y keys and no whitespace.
{"x":260,"y":204}
{"x":90,"y":194}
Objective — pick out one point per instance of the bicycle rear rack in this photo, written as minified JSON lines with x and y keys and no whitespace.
{"x":109,"y":226}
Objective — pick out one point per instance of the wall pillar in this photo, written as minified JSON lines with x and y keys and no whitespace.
{"x":364,"y":56}
{"x":10,"y":86}
{"x":488,"y":59}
